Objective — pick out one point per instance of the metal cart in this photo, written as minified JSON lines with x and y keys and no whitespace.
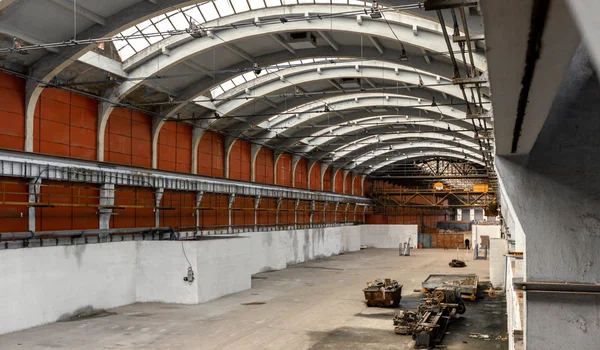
{"x":466,"y":282}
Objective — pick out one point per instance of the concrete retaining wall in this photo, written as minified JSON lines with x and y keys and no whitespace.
{"x":493,"y":231}
{"x":388,"y":236}
{"x":42,"y":285}
{"x":277,"y":249}
{"x":498,"y":251}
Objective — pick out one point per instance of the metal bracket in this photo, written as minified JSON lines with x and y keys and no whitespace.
{"x":556,"y":287}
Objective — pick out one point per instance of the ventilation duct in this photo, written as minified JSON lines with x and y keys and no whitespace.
{"x":302,"y":40}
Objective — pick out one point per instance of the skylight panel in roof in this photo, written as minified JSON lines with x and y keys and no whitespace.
{"x":224,"y":7}
{"x":238,"y":80}
{"x":306,"y":1}
{"x":138,"y":44}
{"x":273,"y":3}
{"x":240,"y":6}
{"x":256,"y":4}
{"x":126,"y":52}
{"x":194,"y":13}
{"x":228,"y":85}
{"x":119,"y":44}
{"x":163,"y":24}
{"x":209,"y":11}
{"x":249,"y":76}
{"x":179,"y":21}
{"x":289,"y":2}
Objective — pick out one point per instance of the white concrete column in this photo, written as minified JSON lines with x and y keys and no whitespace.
{"x":107,"y":201}
{"x":325,"y":212}
{"x":199,"y":196}
{"x":324,"y":167}
{"x":355,"y":211}
{"x":34,"y":192}
{"x":312,"y":212}
{"x":365,"y":214}
{"x":254,"y":150}
{"x":196,"y":137}
{"x":295,"y":160}
{"x":158,"y":195}
{"x":354,"y":175}
{"x":256,"y":205}
{"x":230,"y":213}
{"x":459,"y":214}
{"x":229,"y":141}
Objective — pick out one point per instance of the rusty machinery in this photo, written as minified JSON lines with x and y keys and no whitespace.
{"x":429,"y":323}
{"x":383,"y":293}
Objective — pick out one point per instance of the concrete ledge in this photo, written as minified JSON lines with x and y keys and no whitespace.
{"x":388,"y":236}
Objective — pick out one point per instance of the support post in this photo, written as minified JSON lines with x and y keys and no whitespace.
{"x":230,"y":213}
{"x":337,"y":205}
{"x":199,"y":196}
{"x":158,"y":195}
{"x":107,"y":200}
{"x":296,"y":205}
{"x":311,"y":213}
{"x":256,"y":205}
{"x":34,"y":192}
{"x":279,"y":201}
{"x":365,"y":214}
{"x":325,"y":212}
{"x":346,"y":212}
{"x":355,"y":210}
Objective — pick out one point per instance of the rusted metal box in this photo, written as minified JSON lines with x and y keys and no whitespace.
{"x":381,"y":297}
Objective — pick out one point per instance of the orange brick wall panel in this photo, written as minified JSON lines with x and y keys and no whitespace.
{"x":13,"y":218}
{"x":339,"y":181}
{"x":356,"y":185}
{"x":301,"y":174}
{"x":12,"y":112}
{"x":264,"y":166}
{"x":239,"y":161}
{"x":315,"y":177}
{"x":348,"y":184}
{"x":131,"y":216}
{"x":128,"y":138}
{"x":284,"y":170}
{"x":211,"y":161}
{"x":67,"y":217}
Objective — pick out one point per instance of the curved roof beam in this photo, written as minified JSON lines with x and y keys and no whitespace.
{"x":373,"y":156}
{"x":443,"y":154}
{"x":182,"y":49}
{"x":381,"y":144}
{"x":326,"y":143}
{"x":305,"y":113}
{"x":206,"y":84}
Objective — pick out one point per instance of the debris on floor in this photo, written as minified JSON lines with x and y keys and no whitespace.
{"x":457,"y":263}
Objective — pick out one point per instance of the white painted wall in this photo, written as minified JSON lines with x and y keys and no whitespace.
{"x":497,"y":256}
{"x":39,"y":285}
{"x":277,"y":249}
{"x":160,"y":271}
{"x":484,"y":230}
{"x":222,"y":268}
{"x":388,"y":236}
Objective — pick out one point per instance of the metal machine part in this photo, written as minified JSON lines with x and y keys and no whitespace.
{"x":428,"y":325}
{"x":190,"y":275}
{"x":383,"y":293}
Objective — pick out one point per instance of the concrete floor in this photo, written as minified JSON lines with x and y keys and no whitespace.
{"x":315,"y":305}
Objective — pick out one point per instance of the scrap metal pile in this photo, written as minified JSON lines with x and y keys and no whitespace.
{"x":429,"y":323}
{"x":383,"y":293}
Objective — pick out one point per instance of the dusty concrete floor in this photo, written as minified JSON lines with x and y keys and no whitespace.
{"x":316,"y":305}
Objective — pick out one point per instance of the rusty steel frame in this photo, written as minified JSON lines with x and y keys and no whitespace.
{"x":408,"y":197}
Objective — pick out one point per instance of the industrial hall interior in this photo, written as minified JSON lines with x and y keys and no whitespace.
{"x":299,"y":174}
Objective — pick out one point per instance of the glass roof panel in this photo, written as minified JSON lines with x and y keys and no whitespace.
{"x":203,"y":12}
{"x":256,"y":4}
{"x":224,"y":7}
{"x":209,"y":11}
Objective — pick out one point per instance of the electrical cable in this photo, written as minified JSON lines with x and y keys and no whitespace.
{"x":184,"y":254}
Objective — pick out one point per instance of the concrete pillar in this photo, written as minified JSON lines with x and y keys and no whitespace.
{"x":254,"y":150}
{"x":325,"y":212}
{"x":229,"y":141}
{"x":365,"y":214}
{"x":324,"y":167}
{"x":158,"y":195}
{"x":355,"y":211}
{"x":256,"y":205}
{"x":276,"y":157}
{"x":34,"y":192}
{"x":311,"y":213}
{"x":354,"y":175}
{"x":107,"y":201}
{"x":497,"y":256}
{"x":295,"y":160}
{"x":549,"y":197}
{"x":196,"y":137}
{"x":459,"y":214}
{"x":199,"y":196}
{"x":230,"y":213}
